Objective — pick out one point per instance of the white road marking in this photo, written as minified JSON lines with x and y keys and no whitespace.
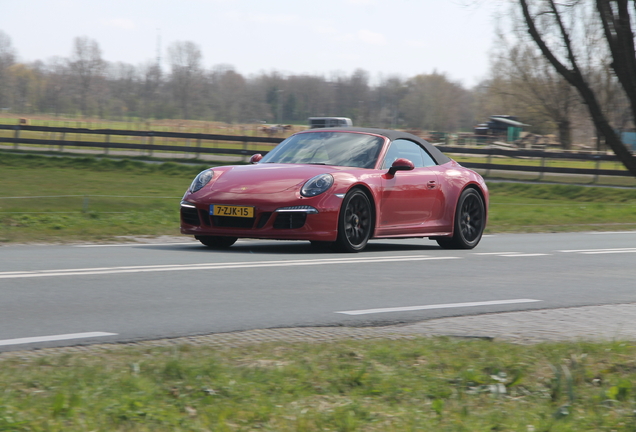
{"x":28,"y":340}
{"x":436,"y":306}
{"x":495,"y":253}
{"x":511,"y":254}
{"x":135,"y":244}
{"x":600,"y":251}
{"x":217,"y":266}
{"x":612,"y":232}
{"x":525,"y":255}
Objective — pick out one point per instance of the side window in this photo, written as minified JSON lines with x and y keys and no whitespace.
{"x":402,"y":148}
{"x":428,"y":160}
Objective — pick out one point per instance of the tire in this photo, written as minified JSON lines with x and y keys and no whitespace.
{"x":470,"y":221}
{"x":217,"y":242}
{"x":355,"y":222}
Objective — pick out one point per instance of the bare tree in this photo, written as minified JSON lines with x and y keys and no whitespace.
{"x":525,"y":75}
{"x":7,"y":58}
{"x":562,"y":40}
{"x":432,"y":102}
{"x":86,"y":65}
{"x":186,"y":74}
{"x":124,"y":85}
{"x":25,"y":85}
{"x":151,"y":82}
{"x":388,"y":94}
{"x":229,"y":91}
{"x":310,"y":94}
{"x":56,"y":95}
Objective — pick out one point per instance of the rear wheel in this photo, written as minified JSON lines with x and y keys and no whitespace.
{"x":470,"y":221}
{"x":217,"y":241}
{"x":355,"y":222}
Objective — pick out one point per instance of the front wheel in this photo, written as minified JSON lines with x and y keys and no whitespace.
{"x":470,"y":221}
{"x":355,"y":222}
{"x":218,"y":242}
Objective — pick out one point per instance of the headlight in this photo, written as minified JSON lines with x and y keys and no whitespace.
{"x":201,"y":180}
{"x":317,"y":185}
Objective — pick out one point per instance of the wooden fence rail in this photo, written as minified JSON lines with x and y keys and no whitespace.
{"x":149,"y":136}
{"x":150,"y":146}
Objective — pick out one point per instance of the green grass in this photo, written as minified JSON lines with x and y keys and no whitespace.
{"x":87,"y":198}
{"x":519,"y":207}
{"x":425,"y":384}
{"x":81,"y":198}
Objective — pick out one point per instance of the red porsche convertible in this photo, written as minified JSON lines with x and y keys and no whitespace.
{"x":342,"y":187}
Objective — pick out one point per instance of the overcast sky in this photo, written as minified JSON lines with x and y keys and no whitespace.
{"x":383,"y":37}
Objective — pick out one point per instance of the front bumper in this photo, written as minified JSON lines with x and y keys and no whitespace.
{"x":293,"y":219}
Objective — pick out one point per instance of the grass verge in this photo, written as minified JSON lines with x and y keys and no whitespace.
{"x":424,"y":384}
{"x":95,"y":199}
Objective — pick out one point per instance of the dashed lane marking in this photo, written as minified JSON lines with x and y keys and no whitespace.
{"x":525,"y":255}
{"x":135,"y":244}
{"x":512,"y":254}
{"x":600,"y":251}
{"x":612,"y":232}
{"x":28,"y":340}
{"x":437,"y":306}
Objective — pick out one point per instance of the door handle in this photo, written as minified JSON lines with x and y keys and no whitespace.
{"x":431,"y":184}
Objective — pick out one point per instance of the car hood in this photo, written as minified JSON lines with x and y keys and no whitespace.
{"x":266,"y":178}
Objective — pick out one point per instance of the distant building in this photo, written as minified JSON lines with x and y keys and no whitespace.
{"x":629,"y":138}
{"x":501,"y":126}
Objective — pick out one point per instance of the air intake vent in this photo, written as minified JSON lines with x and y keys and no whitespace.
{"x":290,"y":220}
{"x":190,"y":216}
{"x":262,"y":220}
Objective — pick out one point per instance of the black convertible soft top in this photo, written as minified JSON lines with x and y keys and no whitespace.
{"x":392,"y":135}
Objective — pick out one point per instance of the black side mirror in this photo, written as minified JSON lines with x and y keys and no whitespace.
{"x":401,"y":164}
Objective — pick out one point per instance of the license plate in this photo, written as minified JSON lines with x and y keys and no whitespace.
{"x":233,"y":211}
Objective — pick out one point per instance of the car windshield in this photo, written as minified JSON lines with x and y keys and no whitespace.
{"x":328,"y":148}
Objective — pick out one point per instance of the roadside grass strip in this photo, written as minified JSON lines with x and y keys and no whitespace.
{"x":415,"y":384}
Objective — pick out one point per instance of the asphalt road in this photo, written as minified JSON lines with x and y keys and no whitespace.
{"x":54,"y":295}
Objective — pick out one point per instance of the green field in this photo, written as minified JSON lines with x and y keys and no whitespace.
{"x":88,"y":199}
{"x":70,"y":199}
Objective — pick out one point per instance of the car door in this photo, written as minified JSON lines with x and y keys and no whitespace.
{"x":410,"y":199}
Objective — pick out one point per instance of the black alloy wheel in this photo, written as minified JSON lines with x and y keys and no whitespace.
{"x":355,"y":222}
{"x":470,"y":221}
{"x":218,"y":242}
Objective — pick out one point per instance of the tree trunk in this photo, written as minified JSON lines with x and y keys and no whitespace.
{"x":574,"y":76}
{"x":565,"y":134}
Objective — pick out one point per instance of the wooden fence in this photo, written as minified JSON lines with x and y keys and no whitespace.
{"x":56,"y":137}
{"x":148,"y":137}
